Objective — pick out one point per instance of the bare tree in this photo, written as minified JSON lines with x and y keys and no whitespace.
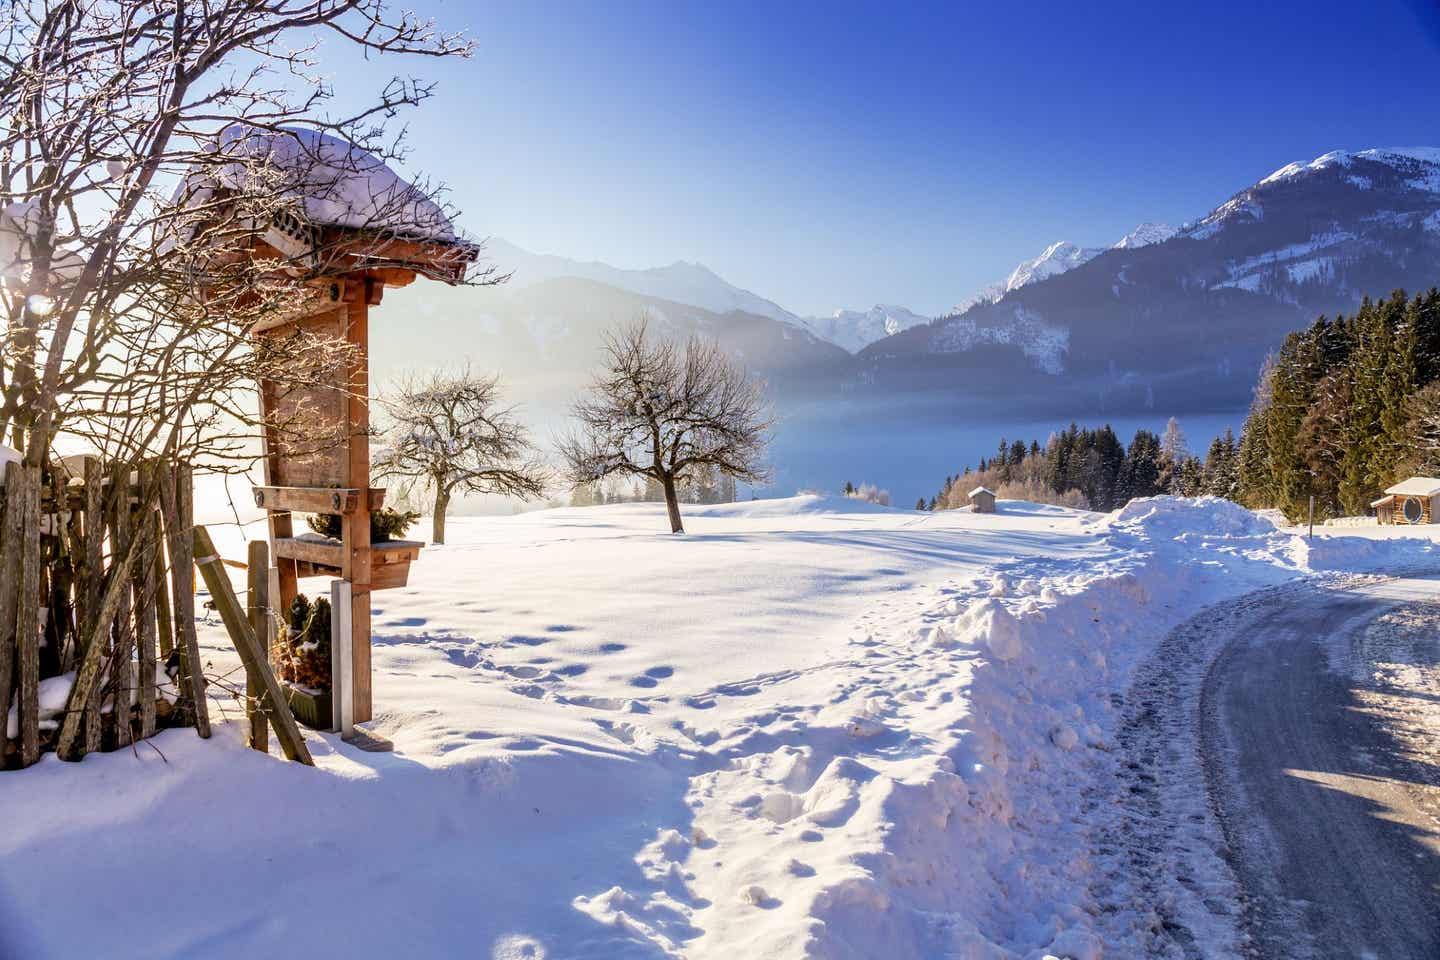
{"x":663,"y":411}
{"x":449,"y":434}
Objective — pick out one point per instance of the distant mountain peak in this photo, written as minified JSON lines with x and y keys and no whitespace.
{"x":856,"y":329}
{"x":682,"y":281}
{"x":1399,"y":157}
{"x":1146,"y":234}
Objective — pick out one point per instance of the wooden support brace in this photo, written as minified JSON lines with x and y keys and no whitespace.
{"x":272,"y":698}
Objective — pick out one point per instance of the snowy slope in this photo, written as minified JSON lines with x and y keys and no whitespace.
{"x":808,"y":728}
{"x":856,"y":329}
{"x":1146,"y":234}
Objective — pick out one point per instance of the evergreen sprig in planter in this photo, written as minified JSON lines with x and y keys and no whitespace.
{"x":302,"y":659}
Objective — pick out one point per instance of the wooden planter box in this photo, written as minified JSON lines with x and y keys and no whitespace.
{"x":315,"y":710}
{"x":317,"y":556}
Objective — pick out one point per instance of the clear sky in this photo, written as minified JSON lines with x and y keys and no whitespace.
{"x":834,"y":154}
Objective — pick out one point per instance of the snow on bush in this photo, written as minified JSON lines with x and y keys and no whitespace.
{"x":870,"y":493}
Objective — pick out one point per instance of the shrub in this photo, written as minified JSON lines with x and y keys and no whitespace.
{"x":385,"y":524}
{"x":303,"y":654}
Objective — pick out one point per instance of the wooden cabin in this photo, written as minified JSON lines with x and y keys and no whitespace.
{"x":1410,"y":501}
{"x":982,"y":500}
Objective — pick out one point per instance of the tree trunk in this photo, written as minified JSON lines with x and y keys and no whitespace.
{"x":672,"y":503}
{"x":442,"y":504}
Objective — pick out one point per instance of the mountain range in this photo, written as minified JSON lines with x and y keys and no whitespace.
{"x":1168,"y":319}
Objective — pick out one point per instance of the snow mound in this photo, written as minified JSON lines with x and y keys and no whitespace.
{"x":1170,"y":518}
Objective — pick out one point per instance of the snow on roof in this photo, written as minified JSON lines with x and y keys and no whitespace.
{"x":1415,"y":487}
{"x":335,"y":182}
{"x":982,"y":490}
{"x":1381,"y":502}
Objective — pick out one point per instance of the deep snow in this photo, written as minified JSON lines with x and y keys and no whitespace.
{"x":808,"y":727}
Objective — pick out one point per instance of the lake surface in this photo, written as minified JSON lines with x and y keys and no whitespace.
{"x":912,"y":459}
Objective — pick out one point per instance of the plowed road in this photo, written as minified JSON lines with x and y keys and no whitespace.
{"x":1327,"y":798}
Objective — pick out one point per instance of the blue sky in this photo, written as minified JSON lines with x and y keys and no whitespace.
{"x":838,"y":154}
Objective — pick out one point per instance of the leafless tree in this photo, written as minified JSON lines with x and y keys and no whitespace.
{"x":661,"y":410}
{"x":449,"y":434}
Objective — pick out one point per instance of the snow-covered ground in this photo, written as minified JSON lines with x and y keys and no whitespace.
{"x":808,"y":728}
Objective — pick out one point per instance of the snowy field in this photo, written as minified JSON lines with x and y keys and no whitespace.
{"x":807,"y":728}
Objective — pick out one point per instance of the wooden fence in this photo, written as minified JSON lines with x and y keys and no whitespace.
{"x":97,"y":609}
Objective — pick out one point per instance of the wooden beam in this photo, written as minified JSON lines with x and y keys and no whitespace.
{"x":272,"y":699}
{"x":316,"y":499}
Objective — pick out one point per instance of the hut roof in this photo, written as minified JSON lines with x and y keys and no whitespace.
{"x":1382,"y":501}
{"x":333,"y":182}
{"x":982,"y":490}
{"x":1415,"y":487}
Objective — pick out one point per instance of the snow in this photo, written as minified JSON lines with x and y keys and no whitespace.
{"x":856,"y":329}
{"x":1058,"y":258}
{"x":1423,"y":162}
{"x":1044,"y":343}
{"x":810,"y":727}
{"x":335,"y":182}
{"x":1145,"y":235}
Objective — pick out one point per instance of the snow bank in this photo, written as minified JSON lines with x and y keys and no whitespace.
{"x":838,"y":731}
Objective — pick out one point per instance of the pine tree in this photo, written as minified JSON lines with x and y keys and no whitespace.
{"x":1140,"y":472}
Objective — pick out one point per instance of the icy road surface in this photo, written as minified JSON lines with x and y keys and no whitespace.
{"x":1320,"y":752}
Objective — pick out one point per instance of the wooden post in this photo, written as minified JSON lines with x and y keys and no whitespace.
{"x":27,"y":627}
{"x":261,"y":624}
{"x":11,"y":535}
{"x":355,"y":526}
{"x":272,"y":699}
{"x":1312,"y":517}
{"x":341,"y":658}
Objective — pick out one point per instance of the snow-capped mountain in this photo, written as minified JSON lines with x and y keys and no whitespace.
{"x":1146,"y":234}
{"x":680,"y":282}
{"x":856,"y":329}
{"x":1061,"y":258}
{"x":1184,"y":317}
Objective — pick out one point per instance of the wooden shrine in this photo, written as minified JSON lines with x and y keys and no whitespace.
{"x":317,"y":442}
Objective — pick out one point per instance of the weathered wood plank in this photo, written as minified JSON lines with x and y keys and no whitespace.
{"x":316,"y":499}
{"x":11,"y":546}
{"x":272,"y":699}
{"x":94,"y":564}
{"x":176,"y":503}
{"x":27,"y":628}
{"x":258,"y":598}
{"x":143,"y":584}
{"x":122,"y":629}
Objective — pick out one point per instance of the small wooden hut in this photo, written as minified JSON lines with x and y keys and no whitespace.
{"x":982,"y":499}
{"x":1411,"y":501}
